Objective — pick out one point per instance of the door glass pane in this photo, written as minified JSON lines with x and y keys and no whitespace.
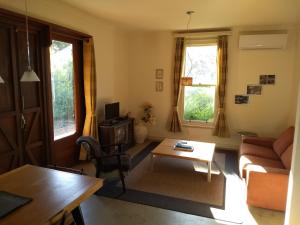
{"x":62,"y":81}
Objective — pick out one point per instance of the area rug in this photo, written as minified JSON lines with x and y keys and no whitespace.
{"x":174,"y":184}
{"x":177,"y":178}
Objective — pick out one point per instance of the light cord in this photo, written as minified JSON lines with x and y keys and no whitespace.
{"x":188,"y":23}
{"x":27,"y":36}
{"x":189,"y":13}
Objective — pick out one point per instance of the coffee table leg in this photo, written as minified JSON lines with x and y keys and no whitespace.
{"x":209,"y":171}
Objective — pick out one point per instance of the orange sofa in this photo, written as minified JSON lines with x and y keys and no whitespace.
{"x":265,"y":164}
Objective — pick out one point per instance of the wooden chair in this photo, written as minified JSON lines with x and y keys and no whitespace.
{"x":106,"y":160}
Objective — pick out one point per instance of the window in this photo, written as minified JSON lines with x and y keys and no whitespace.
{"x":62,"y":81}
{"x":198,"y":100}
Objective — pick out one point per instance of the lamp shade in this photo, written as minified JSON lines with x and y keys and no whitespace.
{"x":29,"y":76}
{"x":1,"y":80}
{"x":186,"y":81}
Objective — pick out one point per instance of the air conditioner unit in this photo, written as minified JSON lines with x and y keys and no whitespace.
{"x":263,"y":41}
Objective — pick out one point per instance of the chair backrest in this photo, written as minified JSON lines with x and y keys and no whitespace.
{"x":284,"y":141}
{"x":94,"y":146}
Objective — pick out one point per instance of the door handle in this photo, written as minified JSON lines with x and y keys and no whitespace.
{"x":23,"y":121}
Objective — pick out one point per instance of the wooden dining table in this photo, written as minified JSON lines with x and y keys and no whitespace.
{"x":54,"y":194}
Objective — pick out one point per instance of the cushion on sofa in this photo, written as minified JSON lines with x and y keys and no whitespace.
{"x":267,"y":190}
{"x":261,"y":141}
{"x":286,"y":157}
{"x":284,"y":141}
{"x":256,"y":150}
{"x":255,"y":160}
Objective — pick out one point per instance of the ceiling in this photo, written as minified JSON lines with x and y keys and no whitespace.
{"x":170,"y":14}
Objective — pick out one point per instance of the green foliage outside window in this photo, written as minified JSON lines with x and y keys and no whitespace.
{"x":199,"y":103}
{"x":62,"y":86}
{"x":199,"y":99}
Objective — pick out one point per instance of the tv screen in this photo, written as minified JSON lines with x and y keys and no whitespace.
{"x":112,"y":111}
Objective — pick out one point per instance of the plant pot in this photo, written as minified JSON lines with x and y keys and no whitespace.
{"x":140,"y":133}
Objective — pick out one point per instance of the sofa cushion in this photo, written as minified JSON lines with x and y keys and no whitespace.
{"x":284,"y":141}
{"x":286,"y":157}
{"x":256,"y":150}
{"x":267,"y":189}
{"x":255,"y":160}
{"x":261,"y":141}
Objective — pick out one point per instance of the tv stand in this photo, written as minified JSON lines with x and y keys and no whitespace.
{"x":117,"y":131}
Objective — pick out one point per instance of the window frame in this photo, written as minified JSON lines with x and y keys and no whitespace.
{"x":197,"y":123}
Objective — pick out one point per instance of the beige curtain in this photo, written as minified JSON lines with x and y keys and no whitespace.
{"x":221,"y":128}
{"x":175,"y":122}
{"x":89,"y":75}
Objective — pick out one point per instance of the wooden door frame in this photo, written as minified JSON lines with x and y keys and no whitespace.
{"x":15,"y":145}
{"x":78,"y":96}
{"x":46,"y":31}
{"x":37,"y":30}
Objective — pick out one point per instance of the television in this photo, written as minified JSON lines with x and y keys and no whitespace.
{"x":112,"y":111}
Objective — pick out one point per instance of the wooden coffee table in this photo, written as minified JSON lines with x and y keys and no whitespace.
{"x":202,"y":152}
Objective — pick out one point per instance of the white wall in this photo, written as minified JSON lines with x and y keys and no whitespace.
{"x":268,"y":114}
{"x":126,"y":63}
{"x":111,"y":44}
{"x":293,"y":202}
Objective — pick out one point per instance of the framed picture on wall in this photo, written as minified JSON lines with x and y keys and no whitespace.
{"x":159,"y":73}
{"x":267,"y":79}
{"x":254,"y":89}
{"x":159,"y":86}
{"x":241,"y":99}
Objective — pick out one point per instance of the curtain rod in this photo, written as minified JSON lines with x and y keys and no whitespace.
{"x":204,"y":34}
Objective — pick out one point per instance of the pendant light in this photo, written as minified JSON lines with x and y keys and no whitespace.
{"x":29,"y":75}
{"x":187,"y":80}
{"x":1,"y":80}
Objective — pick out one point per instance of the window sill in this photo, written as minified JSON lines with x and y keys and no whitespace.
{"x":198,"y":125}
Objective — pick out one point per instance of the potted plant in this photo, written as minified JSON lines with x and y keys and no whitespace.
{"x":148,"y":118}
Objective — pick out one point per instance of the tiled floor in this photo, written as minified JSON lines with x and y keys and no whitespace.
{"x":100,"y":210}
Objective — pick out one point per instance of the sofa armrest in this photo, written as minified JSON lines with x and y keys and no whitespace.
{"x":267,"y":187}
{"x":262,"y":141}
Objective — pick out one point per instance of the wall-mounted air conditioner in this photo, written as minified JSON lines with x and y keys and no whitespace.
{"x":263,"y":41}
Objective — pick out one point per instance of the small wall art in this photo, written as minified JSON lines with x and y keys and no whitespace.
{"x":159,"y":86}
{"x":267,"y":79}
{"x":254,"y":89}
{"x":159,"y":73}
{"x":241,"y":99}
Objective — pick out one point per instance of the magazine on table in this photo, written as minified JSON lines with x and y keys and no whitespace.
{"x":183,"y":146}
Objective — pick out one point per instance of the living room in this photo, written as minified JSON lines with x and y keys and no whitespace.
{"x":134,"y":47}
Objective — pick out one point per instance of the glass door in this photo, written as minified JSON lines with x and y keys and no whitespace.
{"x":67,"y":98}
{"x":62,"y":82}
